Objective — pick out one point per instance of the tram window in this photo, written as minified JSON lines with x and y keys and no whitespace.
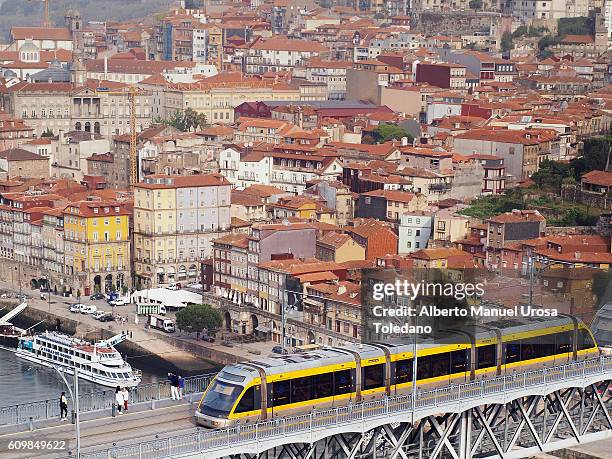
{"x":486,"y":356}
{"x":564,"y":343}
{"x":458,"y":361}
{"x":280,"y":393}
{"x":585,"y":341}
{"x":513,"y":351}
{"x":545,"y":345}
{"x":440,"y":365}
{"x":528,"y":350}
{"x":432,"y":366}
{"x":301,"y":389}
{"x":423,"y":367}
{"x":250,"y":400}
{"x":403,"y":371}
{"x":323,"y":385}
{"x":373,"y":376}
{"x":342,"y":382}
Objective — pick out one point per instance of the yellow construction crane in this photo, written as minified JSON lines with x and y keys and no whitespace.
{"x":132,"y":92}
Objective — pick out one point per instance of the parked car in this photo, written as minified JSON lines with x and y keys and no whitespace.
{"x":82,"y":308}
{"x":107,"y":318}
{"x":278,"y":350}
{"x":75,"y":307}
{"x":97,"y":296}
{"x":120,"y":302}
{"x":195,"y":286}
{"x":89,"y":309}
{"x":174,"y":286}
{"x":99,"y":314}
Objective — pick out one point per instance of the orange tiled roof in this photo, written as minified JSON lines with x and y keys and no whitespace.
{"x":183,"y":181}
{"x":41,"y":33}
{"x":601,"y":178}
{"x":517,"y":216}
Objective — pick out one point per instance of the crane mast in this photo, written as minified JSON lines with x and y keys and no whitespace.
{"x":132,"y":92}
{"x":47,"y":21}
{"x":133,"y":137}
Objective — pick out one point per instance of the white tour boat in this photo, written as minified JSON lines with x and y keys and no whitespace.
{"x":97,"y":362}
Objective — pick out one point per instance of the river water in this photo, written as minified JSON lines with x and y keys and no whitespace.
{"x":23,"y":382}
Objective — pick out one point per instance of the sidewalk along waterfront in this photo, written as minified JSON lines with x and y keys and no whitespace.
{"x":16,"y":417}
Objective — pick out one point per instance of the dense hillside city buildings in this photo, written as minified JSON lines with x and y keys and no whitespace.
{"x":269,"y":147}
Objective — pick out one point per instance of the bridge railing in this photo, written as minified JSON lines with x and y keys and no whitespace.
{"x":97,"y":400}
{"x":202,"y":440}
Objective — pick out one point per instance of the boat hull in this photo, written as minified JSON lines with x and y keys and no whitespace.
{"x":9,"y":341}
{"x":83,"y":374}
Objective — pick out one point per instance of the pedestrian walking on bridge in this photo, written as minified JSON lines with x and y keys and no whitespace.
{"x":63,"y":403}
{"x":119,"y":399}
{"x":174,"y":386}
{"x":126,"y":397}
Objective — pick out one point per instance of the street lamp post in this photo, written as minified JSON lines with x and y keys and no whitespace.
{"x":414,"y":367}
{"x":48,"y":288}
{"x":283,"y":305}
{"x":74,"y":395}
{"x":18,"y":270}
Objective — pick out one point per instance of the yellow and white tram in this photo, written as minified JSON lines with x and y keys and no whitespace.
{"x":287,"y":385}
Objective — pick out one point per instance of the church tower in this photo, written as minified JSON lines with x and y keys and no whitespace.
{"x":74,"y":22}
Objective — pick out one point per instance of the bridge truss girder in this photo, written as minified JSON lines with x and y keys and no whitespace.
{"x":519,"y":428}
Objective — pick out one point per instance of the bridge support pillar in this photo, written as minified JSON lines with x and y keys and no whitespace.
{"x":465,"y":435}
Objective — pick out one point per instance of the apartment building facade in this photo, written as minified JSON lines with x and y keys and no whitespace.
{"x":64,"y":107}
{"x":176,"y":218}
{"x":97,"y":246}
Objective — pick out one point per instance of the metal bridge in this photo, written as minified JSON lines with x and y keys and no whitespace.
{"x":38,"y":413}
{"x":513,"y":416}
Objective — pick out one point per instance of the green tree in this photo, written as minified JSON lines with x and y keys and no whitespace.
{"x":199,"y":317}
{"x":520,"y":31}
{"x":575,"y":26}
{"x":488,"y":206}
{"x":48,"y":133}
{"x":506,"y":41}
{"x":176,"y":120}
{"x":545,"y":42}
{"x":476,"y":4}
{"x":594,"y":156}
{"x":202,"y":122}
{"x":385,"y":132}
{"x":190,"y":119}
{"x":551,"y":174}
{"x":536,"y":31}
{"x":183,"y":120}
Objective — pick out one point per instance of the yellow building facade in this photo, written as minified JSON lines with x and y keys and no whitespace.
{"x":97,"y":246}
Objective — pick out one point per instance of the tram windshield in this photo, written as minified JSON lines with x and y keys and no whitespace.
{"x":220,"y":399}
